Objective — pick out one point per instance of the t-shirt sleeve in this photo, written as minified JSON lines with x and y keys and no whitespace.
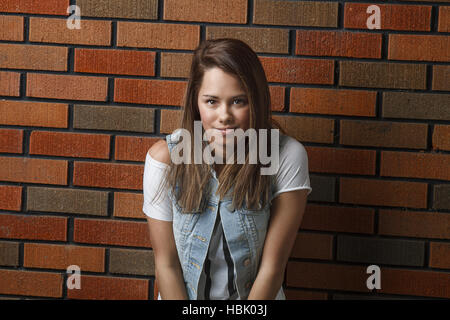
{"x":155,"y":205}
{"x":293,"y":172}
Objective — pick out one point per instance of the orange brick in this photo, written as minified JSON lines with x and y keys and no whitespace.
{"x":33,"y":114}
{"x":175,"y":64}
{"x":10,"y":198}
{"x":68,"y":144}
{"x":294,"y":70}
{"x":31,"y":170}
{"x":11,"y":140}
{"x":338,"y":219}
{"x":340,"y":160}
{"x":417,"y":224}
{"x":11,"y":28}
{"x":31,"y":283}
{"x":393,"y":17}
{"x":133,"y":148}
{"x":444,"y":19}
{"x":149,"y":91}
{"x":276,"y":98}
{"x":338,"y":44}
{"x":415,"y":165}
{"x":158,"y":35}
{"x":383,"y":192}
{"x":9,"y":83}
{"x":53,"y":30}
{"x":227,"y":11}
{"x":33,"y":227}
{"x":54,"y":86}
{"x":52,"y":256}
{"x":34,"y":57}
{"x":55,"y":7}
{"x":441,"y":137}
{"x":111,"y":232}
{"x":419,"y":47}
{"x":333,"y":101}
{"x":128,"y":205}
{"x":110,"y":288}
{"x":108,"y":175}
{"x":439,"y":255}
{"x":115,"y":61}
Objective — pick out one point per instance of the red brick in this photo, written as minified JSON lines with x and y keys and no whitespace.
{"x":68,"y":144}
{"x":31,"y":283}
{"x":110,"y":288}
{"x":128,"y":205}
{"x":383,"y":192}
{"x":393,"y":17}
{"x":52,"y":256}
{"x":92,"y":32}
{"x":55,"y":86}
{"x":33,"y":227}
{"x":55,"y":7}
{"x":415,"y":165}
{"x":33,"y":114}
{"x":295,"y":70}
{"x":415,"y":282}
{"x":33,"y":170}
{"x":158,"y":35}
{"x":227,"y":11}
{"x":444,"y":19}
{"x":338,"y":219}
{"x":34,"y":57}
{"x":419,"y":47}
{"x":108,"y":175}
{"x":333,"y":101}
{"x":439,"y":255}
{"x":384,"y":134}
{"x":276,"y":98}
{"x":10,"y":198}
{"x":9,"y":83}
{"x":112,"y":232}
{"x":133,"y":148}
{"x":441,"y":74}
{"x":338,"y":44}
{"x":11,"y":28}
{"x":340,"y":160}
{"x":160,"y":92}
{"x":441,"y":137}
{"x":126,"y":62}
{"x":327,"y":276}
{"x":11,"y":140}
{"x":415,"y":224}
{"x":313,"y":246}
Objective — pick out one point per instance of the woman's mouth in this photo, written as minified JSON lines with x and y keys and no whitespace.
{"x":225,"y":132}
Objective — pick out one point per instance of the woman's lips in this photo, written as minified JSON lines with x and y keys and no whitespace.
{"x":225,"y":132}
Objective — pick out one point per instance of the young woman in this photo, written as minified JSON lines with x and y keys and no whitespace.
{"x":224,"y":231}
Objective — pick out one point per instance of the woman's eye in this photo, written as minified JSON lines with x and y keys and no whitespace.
{"x":209,"y":101}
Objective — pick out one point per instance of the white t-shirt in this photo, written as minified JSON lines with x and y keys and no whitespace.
{"x":218,"y":270}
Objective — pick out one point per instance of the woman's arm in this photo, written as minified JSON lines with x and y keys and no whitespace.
{"x":285,"y":218}
{"x":167,"y":264}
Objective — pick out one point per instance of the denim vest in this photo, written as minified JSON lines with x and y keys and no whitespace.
{"x":244,"y":230}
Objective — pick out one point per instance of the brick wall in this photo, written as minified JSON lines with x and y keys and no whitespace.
{"x":80,"y":108}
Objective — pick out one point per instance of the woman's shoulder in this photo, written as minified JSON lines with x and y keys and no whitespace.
{"x":290,"y":146}
{"x":159,"y":151}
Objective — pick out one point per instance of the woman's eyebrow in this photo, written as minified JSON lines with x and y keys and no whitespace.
{"x":239,"y":96}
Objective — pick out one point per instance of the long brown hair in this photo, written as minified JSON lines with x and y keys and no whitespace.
{"x":234,"y":57}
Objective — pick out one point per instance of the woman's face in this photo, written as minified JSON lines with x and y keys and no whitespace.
{"x":222,"y":103}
